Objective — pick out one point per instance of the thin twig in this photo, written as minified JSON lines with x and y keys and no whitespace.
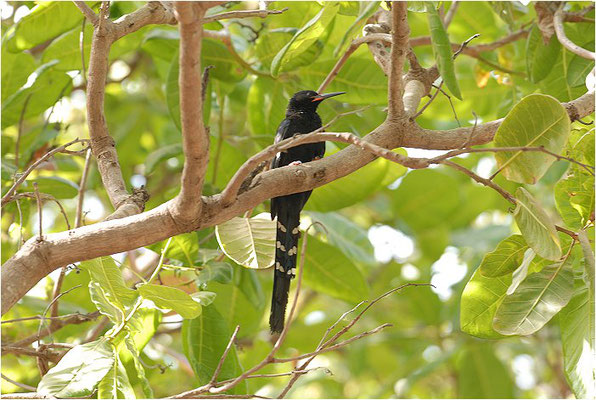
{"x":450,"y":103}
{"x":224,"y":356}
{"x":486,"y":182}
{"x":464,"y":45}
{"x":243,"y":14}
{"x":54,"y":300}
{"x":21,"y":385}
{"x":82,"y":185}
{"x":87,"y":12}
{"x":36,"y":189}
{"x":7,"y":197}
{"x":450,"y":13}
{"x":425,"y":106}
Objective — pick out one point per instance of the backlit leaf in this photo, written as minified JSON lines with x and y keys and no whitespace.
{"x":171,"y":298}
{"x":537,"y":120}
{"x":505,"y":258}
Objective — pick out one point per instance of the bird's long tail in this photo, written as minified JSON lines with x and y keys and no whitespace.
{"x":288,"y":221}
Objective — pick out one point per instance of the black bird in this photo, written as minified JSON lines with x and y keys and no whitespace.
{"x":301,"y":118}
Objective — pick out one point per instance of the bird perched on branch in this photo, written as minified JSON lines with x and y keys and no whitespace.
{"x":301,"y":118}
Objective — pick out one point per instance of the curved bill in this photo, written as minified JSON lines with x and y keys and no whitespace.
{"x":322,"y":97}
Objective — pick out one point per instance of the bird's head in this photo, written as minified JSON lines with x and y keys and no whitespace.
{"x":309,"y":100}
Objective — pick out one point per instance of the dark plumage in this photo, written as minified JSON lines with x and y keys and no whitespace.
{"x":301,"y":118}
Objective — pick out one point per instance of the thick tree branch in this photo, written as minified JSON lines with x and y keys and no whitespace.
{"x":36,"y":260}
{"x":195,"y":141}
{"x":400,"y":36}
{"x":564,"y":40}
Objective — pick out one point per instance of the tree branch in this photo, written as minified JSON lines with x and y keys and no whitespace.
{"x":87,"y":12}
{"x":399,"y":47}
{"x":564,"y":40}
{"x":195,"y":141}
{"x":263,"y":13}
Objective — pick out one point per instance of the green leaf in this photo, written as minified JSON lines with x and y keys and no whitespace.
{"x":479,"y":302}
{"x":58,"y":187}
{"x":579,"y":68}
{"x":362,"y":80}
{"x":204,"y":340}
{"x":79,"y":372}
{"x":217,"y":271}
{"x":264,"y":109}
{"x":171,"y":298}
{"x":49,"y":86}
{"x":328,"y":271}
{"x":536,"y":226}
{"x":184,"y":248}
{"x":104,"y":271}
{"x":505,"y":258}
{"x":574,"y":198}
{"x":270,"y":43}
{"x":521,"y":272}
{"x":540,"y":57}
{"x":430,"y":190}
{"x":204,"y":298}
{"x":344,"y":234}
{"x":442,"y":50}
{"x":576,"y":321}
{"x":305,"y":37}
{"x":481,"y":374}
{"x":16,"y":68}
{"x":67,"y":48}
{"x":536,"y":300}
{"x":556,"y":83}
{"x":226,"y":68}
{"x":138,"y":366}
{"x":115,"y":312}
{"x":239,"y":310}
{"x":160,"y":155}
{"x":250,"y":242}
{"x":115,"y":385}
{"x":367,"y":10}
{"x":353,"y":188}
{"x":537,"y":120}
{"x":40,"y":25}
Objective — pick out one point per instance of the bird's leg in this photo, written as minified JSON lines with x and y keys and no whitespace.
{"x":294,"y":163}
{"x":316,"y":158}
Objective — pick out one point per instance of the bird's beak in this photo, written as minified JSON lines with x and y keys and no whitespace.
{"x":322,"y":97}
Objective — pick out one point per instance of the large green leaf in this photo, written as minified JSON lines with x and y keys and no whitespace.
{"x":307,"y":36}
{"x":41,"y":25}
{"x":557,"y":84}
{"x":49,"y":86}
{"x":115,"y":385}
{"x":361,"y":79}
{"x":239,"y":309}
{"x":204,"y":340}
{"x":576,"y":321}
{"x":104,"y":271}
{"x":481,"y":374}
{"x":138,"y":366}
{"x":574,"y":197}
{"x":426,"y":198}
{"x":79,"y":372}
{"x":344,"y":234}
{"x":537,"y":120}
{"x":505,"y":258}
{"x":442,"y":50}
{"x":16,"y":68}
{"x":540,"y":56}
{"x":67,"y":49}
{"x":328,"y":271}
{"x":115,"y":312}
{"x":536,"y":300}
{"x":56,"y":186}
{"x":162,"y":154}
{"x":367,"y":9}
{"x":479,"y":302}
{"x":579,"y":68}
{"x":171,"y":298}
{"x":268,"y":45}
{"x":248,"y":241}
{"x":264,"y":109}
{"x":536,"y":226}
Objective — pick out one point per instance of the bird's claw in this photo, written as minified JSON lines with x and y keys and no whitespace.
{"x":294,"y":163}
